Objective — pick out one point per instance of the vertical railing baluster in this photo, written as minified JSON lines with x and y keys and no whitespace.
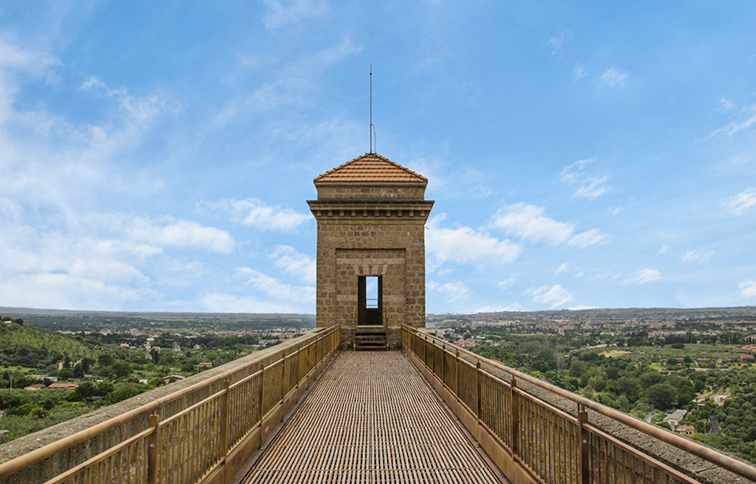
{"x":152,"y":454}
{"x":456,"y":373}
{"x":583,"y":445}
{"x":283,"y":376}
{"x":224,"y":422}
{"x":477,"y":390}
{"x":514,"y":424}
{"x":262,"y":401}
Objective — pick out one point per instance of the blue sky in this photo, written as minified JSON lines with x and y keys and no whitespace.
{"x":156,"y":156}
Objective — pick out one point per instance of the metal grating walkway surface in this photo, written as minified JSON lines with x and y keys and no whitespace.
{"x":371,"y":418}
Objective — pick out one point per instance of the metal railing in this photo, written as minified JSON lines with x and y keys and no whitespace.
{"x":549,"y":444}
{"x":192,"y":445}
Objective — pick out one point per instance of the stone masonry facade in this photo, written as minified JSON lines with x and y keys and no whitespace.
{"x":371,"y":216}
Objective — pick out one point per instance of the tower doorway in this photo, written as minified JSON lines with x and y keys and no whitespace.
{"x":370,"y":300}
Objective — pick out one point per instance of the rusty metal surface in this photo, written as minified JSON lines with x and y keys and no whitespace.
{"x":372,"y":418}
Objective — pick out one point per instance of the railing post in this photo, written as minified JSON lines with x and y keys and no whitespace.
{"x":443,"y":364}
{"x":283,"y":376}
{"x":262,"y":395}
{"x":584,"y":442}
{"x":152,"y":453}
{"x":477,"y":388}
{"x":514,"y":429}
{"x":224,"y":421}
{"x":456,"y":373}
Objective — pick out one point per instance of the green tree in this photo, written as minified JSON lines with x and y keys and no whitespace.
{"x":121,"y":369}
{"x":628,"y":387}
{"x":662,"y":395}
{"x":85,"y":390}
{"x":105,"y":360}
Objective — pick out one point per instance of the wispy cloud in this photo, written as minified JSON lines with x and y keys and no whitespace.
{"x":643,"y":276}
{"x":736,"y":127}
{"x":275,"y":288}
{"x":294,"y":262}
{"x":280,"y":13}
{"x":579,"y":72}
{"x":748,"y":289}
{"x":741,"y":202}
{"x":555,"y":295}
{"x":464,"y":245}
{"x":181,"y":233}
{"x":499,"y":309}
{"x":558,"y":41}
{"x":229,"y":303}
{"x":528,"y":222}
{"x":613,"y":77}
{"x":506,"y":282}
{"x":588,"y":187}
{"x":253,"y":212}
{"x":293,"y":85}
{"x":452,"y":291}
{"x":725,"y":105}
{"x":697,"y":255}
{"x":563,"y":268}
{"x":663,"y":250}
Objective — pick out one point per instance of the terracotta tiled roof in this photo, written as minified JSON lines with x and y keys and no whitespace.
{"x":371,"y":167}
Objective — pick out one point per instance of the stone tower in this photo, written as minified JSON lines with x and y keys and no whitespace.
{"x":371,"y":215}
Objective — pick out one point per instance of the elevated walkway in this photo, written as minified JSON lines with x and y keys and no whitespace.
{"x":371,"y":418}
{"x":368,"y":417}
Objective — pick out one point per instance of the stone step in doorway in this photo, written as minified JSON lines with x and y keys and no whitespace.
{"x":370,"y":338}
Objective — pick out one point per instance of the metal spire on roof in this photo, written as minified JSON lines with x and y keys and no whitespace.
{"x":372,"y":127}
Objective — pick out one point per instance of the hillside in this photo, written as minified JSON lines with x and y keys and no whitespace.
{"x":25,"y":345}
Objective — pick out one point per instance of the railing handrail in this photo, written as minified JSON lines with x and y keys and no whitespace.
{"x":19,"y":463}
{"x":721,"y":460}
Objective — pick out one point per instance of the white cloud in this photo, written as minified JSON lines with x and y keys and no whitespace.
{"x":227,"y":303}
{"x":529,"y":223}
{"x":643,"y":276}
{"x":295,"y":86}
{"x":581,"y":307}
{"x":725,"y":105}
{"x":663,"y":250}
{"x":499,"y":309}
{"x":563,"y":268}
{"x":272,"y":287}
{"x":588,"y":187}
{"x":506,"y":282}
{"x":592,"y":188}
{"x":696,"y":256}
{"x":280,"y":13}
{"x":65,"y":291}
{"x":735,"y":127}
{"x":182,"y":234}
{"x":253,"y":212}
{"x":464,"y":245}
{"x":294,"y":262}
{"x":613,"y":77}
{"x":588,"y":238}
{"x":555,"y":295}
{"x":748,"y":289}
{"x":741,"y":202}
{"x":557,"y":42}
{"x":452,"y":291}
{"x":10,"y":210}
{"x":579,"y":72}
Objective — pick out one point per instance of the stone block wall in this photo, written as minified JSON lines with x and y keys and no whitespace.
{"x":395,"y":251}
